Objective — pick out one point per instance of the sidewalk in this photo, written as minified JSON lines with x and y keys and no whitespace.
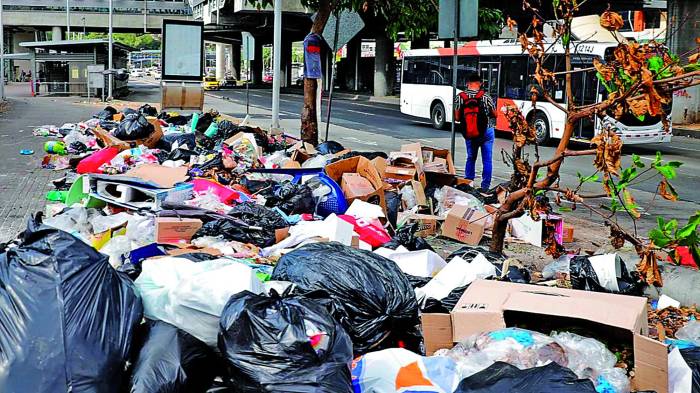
{"x":687,"y":130}
{"x":349,"y":96}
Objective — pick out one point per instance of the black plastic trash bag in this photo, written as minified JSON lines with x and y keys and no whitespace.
{"x":329,"y":147}
{"x":148,"y":110}
{"x":406,"y":236}
{"x":106,"y":114}
{"x":292,"y":198}
{"x":288,"y":343}
{"x":502,"y":377}
{"x":584,"y":277}
{"x":445,"y":305}
{"x":375,"y":301}
{"x":66,"y":316}
{"x":393,"y":204}
{"x":246,"y":223}
{"x":172,"y":361}
{"x":227,"y":129}
{"x":134,"y":126}
{"x":692,"y":358}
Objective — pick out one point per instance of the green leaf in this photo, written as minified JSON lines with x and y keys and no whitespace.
{"x":655,"y":64}
{"x":666,"y":171}
{"x":555,"y":3}
{"x":690,"y":228}
{"x":660,"y":222}
{"x":695,"y":251}
{"x":637,"y":161}
{"x":674,"y":164}
{"x":602,"y":80}
{"x":565,"y":39}
{"x":565,"y":209}
{"x":659,"y":238}
{"x":539,"y":192}
{"x":657,"y":159}
{"x":671,"y":226}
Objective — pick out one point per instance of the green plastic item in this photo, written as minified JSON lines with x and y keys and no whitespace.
{"x":76,"y":194}
{"x":212,"y":130}
{"x":195,"y":120}
{"x":56,"y":196}
{"x":55,"y":147}
{"x":264,"y":277}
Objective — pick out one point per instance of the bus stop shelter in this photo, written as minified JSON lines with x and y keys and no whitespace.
{"x":61,"y":67}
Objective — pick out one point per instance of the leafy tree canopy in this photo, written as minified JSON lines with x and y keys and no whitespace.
{"x":137,"y":41}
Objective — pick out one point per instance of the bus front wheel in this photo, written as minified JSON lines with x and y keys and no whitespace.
{"x":437,"y":115}
{"x":541,"y":124}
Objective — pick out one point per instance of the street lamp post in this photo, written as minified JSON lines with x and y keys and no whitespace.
{"x":84,"y":29}
{"x":110,"y":77}
{"x":276,"y":58}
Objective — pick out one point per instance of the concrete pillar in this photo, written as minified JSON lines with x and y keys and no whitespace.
{"x":236,"y":61}
{"x":353,"y":64}
{"x":383,"y":65}
{"x":286,"y":63}
{"x":257,"y":64}
{"x":681,"y":33}
{"x":56,"y":33}
{"x":220,"y":61}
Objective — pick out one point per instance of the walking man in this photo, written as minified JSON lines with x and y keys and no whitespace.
{"x":476,"y":112}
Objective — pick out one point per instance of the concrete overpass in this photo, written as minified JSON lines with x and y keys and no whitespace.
{"x":41,"y":20}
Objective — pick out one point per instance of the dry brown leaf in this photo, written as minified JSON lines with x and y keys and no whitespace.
{"x":630,"y":203}
{"x":511,"y":24}
{"x":694,"y":58}
{"x":617,"y":238}
{"x":608,"y":152}
{"x":611,"y":21}
{"x":639,"y":107}
{"x":665,"y":191}
{"x":605,"y":70}
{"x":648,"y":268}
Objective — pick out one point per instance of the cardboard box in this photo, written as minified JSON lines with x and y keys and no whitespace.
{"x":464,"y":224}
{"x":110,"y":140}
{"x":437,"y":332}
{"x":302,"y":151}
{"x":354,"y":185}
{"x":428,"y":225}
{"x":176,"y":230}
{"x":490,"y":305}
{"x":440,"y":156}
{"x":364,"y":168}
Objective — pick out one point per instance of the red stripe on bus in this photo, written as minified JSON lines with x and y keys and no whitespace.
{"x":467,"y":49}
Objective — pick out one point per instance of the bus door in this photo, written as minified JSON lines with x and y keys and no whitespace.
{"x":490,"y":72}
{"x":585,"y":87}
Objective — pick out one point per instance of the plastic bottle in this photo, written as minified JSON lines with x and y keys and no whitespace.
{"x":212,"y":130}
{"x":195,"y":120}
{"x":55,"y":147}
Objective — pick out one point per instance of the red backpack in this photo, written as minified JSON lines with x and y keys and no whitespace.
{"x":474,"y":119}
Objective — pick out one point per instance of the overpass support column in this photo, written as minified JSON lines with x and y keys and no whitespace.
{"x":286,"y":63}
{"x":257,"y":64}
{"x":235,"y":60}
{"x":220,"y":61}
{"x":383,"y":65}
{"x":56,"y":33}
{"x":352,"y":81}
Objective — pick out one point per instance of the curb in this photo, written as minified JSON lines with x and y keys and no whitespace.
{"x":687,"y":132}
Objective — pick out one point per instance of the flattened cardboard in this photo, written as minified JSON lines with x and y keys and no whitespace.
{"x":158,"y":175}
{"x":483,"y":305}
{"x":465,"y":224}
{"x":442,"y":154}
{"x":176,"y":230}
{"x":419,"y":190}
{"x":440,"y":328}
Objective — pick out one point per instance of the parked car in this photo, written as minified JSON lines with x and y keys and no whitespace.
{"x":229,"y":81}
{"x":137,"y":73}
{"x":210,"y":83}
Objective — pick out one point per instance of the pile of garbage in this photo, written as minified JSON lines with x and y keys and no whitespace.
{"x":191,"y":253}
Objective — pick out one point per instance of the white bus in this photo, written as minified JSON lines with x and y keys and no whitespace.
{"x":426,"y":88}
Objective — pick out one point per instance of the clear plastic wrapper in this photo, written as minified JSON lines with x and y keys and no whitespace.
{"x":115,"y":249}
{"x":448,"y":197}
{"x":690,"y":332}
{"x":408,"y":196}
{"x":586,"y":357}
{"x":560,"y":265}
{"x":210,"y":201}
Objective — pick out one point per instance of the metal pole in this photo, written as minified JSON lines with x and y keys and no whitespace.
{"x":2,"y":57}
{"x":247,"y":92}
{"x":276,"y":66}
{"x":330,"y":90}
{"x":109,"y":56}
{"x":68,"y":19}
{"x":454,"y":76}
{"x":145,"y":16}
{"x":84,"y":29}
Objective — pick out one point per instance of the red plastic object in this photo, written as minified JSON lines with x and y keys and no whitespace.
{"x":225,"y":194}
{"x":92,"y":163}
{"x":684,"y":255}
{"x":369,"y":231}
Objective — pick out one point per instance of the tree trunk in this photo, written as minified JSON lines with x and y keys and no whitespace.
{"x":498,"y":234}
{"x":309,"y":119}
{"x":383,"y":65}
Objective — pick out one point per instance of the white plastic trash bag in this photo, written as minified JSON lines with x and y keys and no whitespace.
{"x":455,"y":274}
{"x":420,"y":263}
{"x":191,"y":295}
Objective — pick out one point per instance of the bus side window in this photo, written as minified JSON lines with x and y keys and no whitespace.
{"x":514,"y":75}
